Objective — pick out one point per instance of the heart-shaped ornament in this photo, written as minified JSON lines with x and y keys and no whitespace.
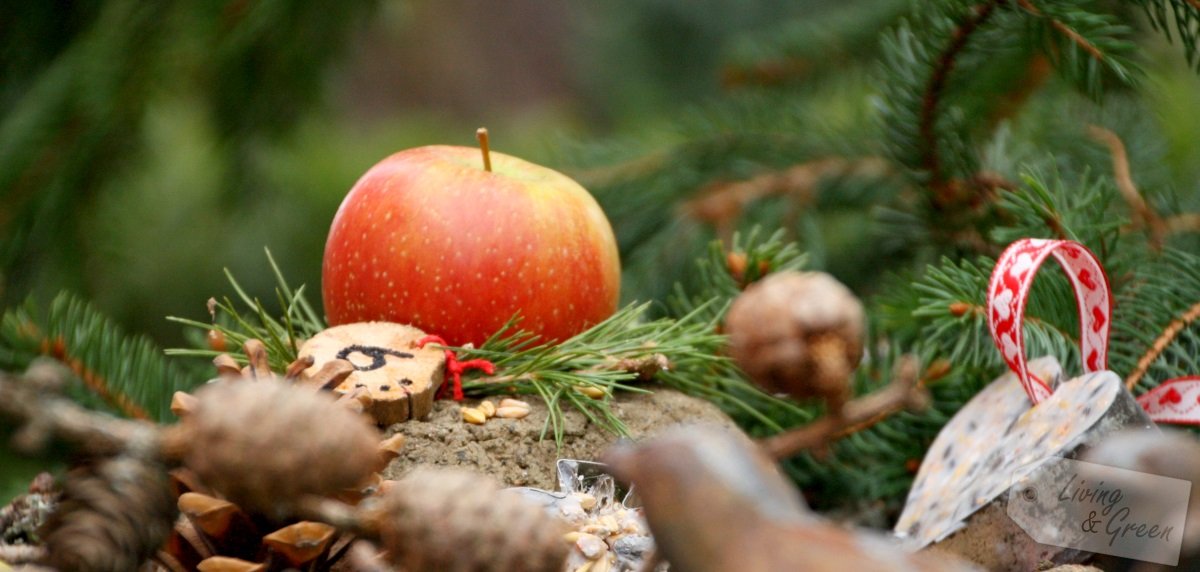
{"x":1019,"y":422}
{"x":959,"y":498}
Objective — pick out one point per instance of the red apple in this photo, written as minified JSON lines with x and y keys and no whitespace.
{"x":428,"y":237}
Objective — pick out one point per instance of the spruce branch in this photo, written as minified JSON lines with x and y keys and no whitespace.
{"x":586,"y":370}
{"x":1083,"y":41}
{"x":1065,"y":30}
{"x":1183,"y":16}
{"x":931,"y":160}
{"x":282,"y":336}
{"x":126,"y":373}
{"x":1154,"y":328}
{"x":1161,"y":343}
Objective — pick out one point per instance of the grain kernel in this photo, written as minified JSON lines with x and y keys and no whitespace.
{"x":586,"y":501}
{"x":507,"y":402}
{"x":591,"y":391}
{"x":512,"y":412}
{"x":488,"y":408}
{"x":473,"y":416}
{"x":591,"y":546}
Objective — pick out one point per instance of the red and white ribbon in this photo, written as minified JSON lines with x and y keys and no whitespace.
{"x":1173,"y":401}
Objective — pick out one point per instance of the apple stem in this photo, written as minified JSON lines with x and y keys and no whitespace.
{"x":482,"y":135}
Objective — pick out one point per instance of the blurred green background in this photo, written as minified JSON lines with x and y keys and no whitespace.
{"x":145,"y":146}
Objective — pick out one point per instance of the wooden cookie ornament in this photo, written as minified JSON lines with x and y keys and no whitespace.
{"x":1025,"y":419}
{"x":397,"y":368}
{"x":435,"y":238}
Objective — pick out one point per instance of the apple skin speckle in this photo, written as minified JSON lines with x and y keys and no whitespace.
{"x":466,"y":249}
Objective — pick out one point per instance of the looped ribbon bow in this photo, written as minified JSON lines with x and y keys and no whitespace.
{"x":1173,"y":401}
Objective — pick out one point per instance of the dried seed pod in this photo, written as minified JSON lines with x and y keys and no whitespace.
{"x":478,"y":526}
{"x":799,"y":333}
{"x":267,"y":444}
{"x":114,"y":515}
{"x":400,"y":377}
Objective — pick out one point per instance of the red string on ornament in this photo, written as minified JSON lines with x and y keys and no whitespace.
{"x":455,"y":367}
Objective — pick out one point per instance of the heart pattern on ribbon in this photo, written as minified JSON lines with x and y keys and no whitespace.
{"x":1173,"y":401}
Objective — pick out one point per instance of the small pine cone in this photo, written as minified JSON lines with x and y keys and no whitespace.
{"x":454,"y":520}
{"x":267,"y":445}
{"x":113,"y":516}
{"x":798,"y":333}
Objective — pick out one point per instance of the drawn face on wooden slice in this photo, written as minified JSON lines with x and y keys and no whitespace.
{"x":399,"y":378}
{"x":997,"y":435}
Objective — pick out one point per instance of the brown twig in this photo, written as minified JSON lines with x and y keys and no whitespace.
{"x":765,"y":73}
{"x":1065,"y":30}
{"x":1144,"y":215}
{"x":57,"y":349}
{"x":645,"y":367}
{"x":1186,"y":222}
{"x":1160,"y":344}
{"x":722,"y":203}
{"x":936,"y":370}
{"x":930,"y":157}
{"x":904,"y":391}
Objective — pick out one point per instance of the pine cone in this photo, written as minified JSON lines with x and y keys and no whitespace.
{"x":454,"y":520}
{"x":798,"y":333}
{"x":113,"y":516}
{"x":266,"y":445}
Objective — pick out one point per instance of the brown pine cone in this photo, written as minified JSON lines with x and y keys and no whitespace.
{"x":454,"y":520}
{"x":113,"y":516}
{"x":266,"y":445}
{"x":798,"y":333}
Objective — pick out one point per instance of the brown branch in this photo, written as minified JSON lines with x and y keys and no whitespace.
{"x":722,"y":203}
{"x":1065,"y":30}
{"x":645,"y":368}
{"x":1160,"y":344}
{"x":931,"y":100}
{"x":1144,"y":215}
{"x":936,"y":370}
{"x":765,"y":73}
{"x":904,"y":391}
{"x":1186,"y":222}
